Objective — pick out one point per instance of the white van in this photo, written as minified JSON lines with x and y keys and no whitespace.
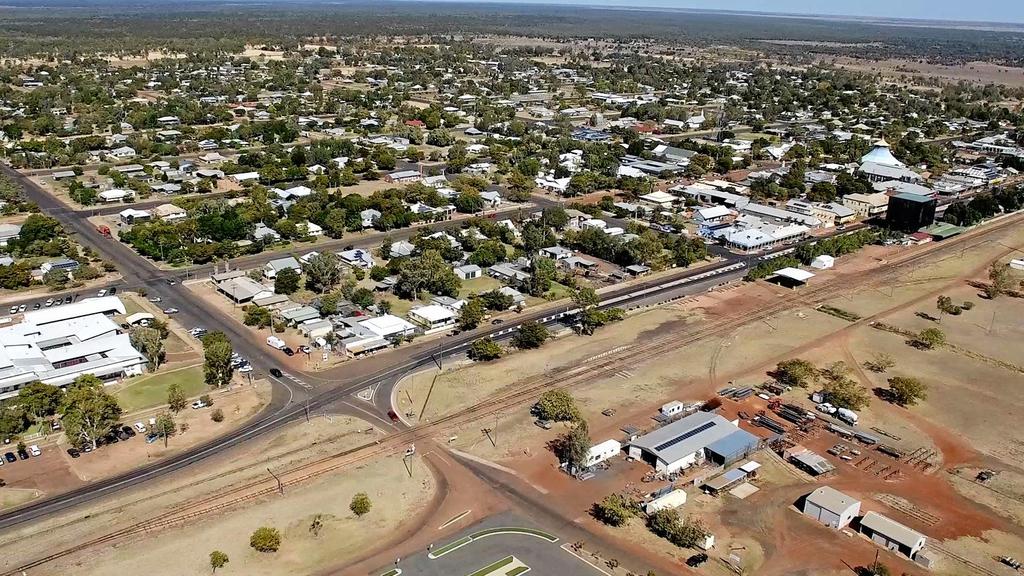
{"x":276,"y":343}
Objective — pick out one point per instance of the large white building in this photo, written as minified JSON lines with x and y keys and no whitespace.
{"x":57,"y":345}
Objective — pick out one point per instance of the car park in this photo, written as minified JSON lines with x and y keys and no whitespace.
{"x":73,"y":452}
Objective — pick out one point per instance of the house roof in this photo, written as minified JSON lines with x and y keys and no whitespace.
{"x":433,"y":313}
{"x":282,"y":263}
{"x":683,"y":437}
{"x":831,"y":499}
{"x":795,"y":274}
{"x":892,"y":529}
{"x":86,"y":307}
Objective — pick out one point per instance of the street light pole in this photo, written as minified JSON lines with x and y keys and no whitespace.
{"x":280,"y":486}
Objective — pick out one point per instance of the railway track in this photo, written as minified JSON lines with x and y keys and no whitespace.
{"x":528,"y":389}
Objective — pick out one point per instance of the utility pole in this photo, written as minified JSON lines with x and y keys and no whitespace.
{"x":280,"y":486}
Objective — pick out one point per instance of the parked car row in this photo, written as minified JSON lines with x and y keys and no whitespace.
{"x":119,"y":433}
{"x":16,"y":309}
{"x":240,"y":364}
{"x":22,"y":454}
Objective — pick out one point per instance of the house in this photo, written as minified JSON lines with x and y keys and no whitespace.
{"x":711,"y":215}
{"x":659,"y":198}
{"x":311,"y":229}
{"x":831,"y":507}
{"x":121,"y":153}
{"x":169,"y":212}
{"x":891,"y":534}
{"x":264,"y":233}
{"x":369,"y":217}
{"x":9,"y":232}
{"x":245,"y":177}
{"x":556,"y":252}
{"x":130,"y":216}
{"x":691,"y":440}
{"x":274,"y":267}
{"x":241,"y":289}
{"x":403,"y":177}
{"x":508,"y":273}
{"x":518,"y":300}
{"x":57,"y":345}
{"x":116,"y":195}
{"x":432,"y":317}
{"x":579,"y":264}
{"x":357,"y":258}
{"x":402,"y":248}
{"x":468,"y":271}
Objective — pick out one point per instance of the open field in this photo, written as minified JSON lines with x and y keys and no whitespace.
{"x":151,"y":390}
{"x":975,"y":72}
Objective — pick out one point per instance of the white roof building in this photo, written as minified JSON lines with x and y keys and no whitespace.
{"x":831,"y":507}
{"x":432,"y":317}
{"x":388,"y":325}
{"x":57,"y":345}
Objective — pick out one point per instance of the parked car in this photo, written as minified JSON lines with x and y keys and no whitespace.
{"x":55,"y":425}
{"x":49,"y":302}
{"x":10,"y":457}
{"x":198,"y":404}
{"x":305,"y":349}
{"x":34,"y":450}
{"x":101,"y":293}
{"x":696,"y":560}
{"x":122,"y":435}
{"x":36,"y":306}
{"x":128,"y":430}
{"x":22,"y":308}
{"x":289,"y":352}
{"x":245,"y":368}
{"x":275,"y":373}
{"x":23,"y":454}
{"x":68,"y":299}
{"x":14,"y":309}
{"x":140,"y":427}
{"x":170,"y":311}
{"x":73,"y":452}
{"x":151,"y":438}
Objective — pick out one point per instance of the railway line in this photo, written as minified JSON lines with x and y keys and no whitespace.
{"x":563,"y":377}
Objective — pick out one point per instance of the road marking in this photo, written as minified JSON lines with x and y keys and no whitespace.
{"x":297,"y":380}
{"x":584,"y":560}
{"x":454,"y":520}
{"x":368,"y":413}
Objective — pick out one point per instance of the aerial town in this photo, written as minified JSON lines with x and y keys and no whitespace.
{"x":432,"y":289}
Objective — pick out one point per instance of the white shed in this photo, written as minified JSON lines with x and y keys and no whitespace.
{"x":670,"y":501}
{"x":603,"y":451}
{"x":823,"y":262}
{"x":831,"y":507}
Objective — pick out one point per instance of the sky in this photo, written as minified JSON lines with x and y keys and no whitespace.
{"x":973,"y":10}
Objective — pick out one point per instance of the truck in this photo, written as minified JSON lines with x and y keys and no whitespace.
{"x":104,"y":230}
{"x":848,"y":416}
{"x":276,"y":343}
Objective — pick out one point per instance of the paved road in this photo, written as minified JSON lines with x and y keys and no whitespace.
{"x":313,"y":392}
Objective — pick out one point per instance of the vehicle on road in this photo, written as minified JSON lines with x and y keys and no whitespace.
{"x":497,"y":321}
{"x":104,"y":230}
{"x":171,"y":281}
{"x":275,"y":373}
{"x":198,"y":404}
{"x":156,"y":299}
{"x":170,"y":311}
{"x":73,"y":452}
{"x":34,"y":450}
{"x":393,"y":415}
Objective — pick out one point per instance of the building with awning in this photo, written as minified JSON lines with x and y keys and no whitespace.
{"x":791,"y":277}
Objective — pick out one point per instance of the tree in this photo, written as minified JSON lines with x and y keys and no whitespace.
{"x":165,"y":427}
{"x":575,"y":446}
{"x":929,"y":338}
{"x":218,"y":559}
{"x":557,"y":405}
{"x":150,"y":341}
{"x":614,"y":510}
{"x":944,"y":304}
{"x":484,"y":350}
{"x":683,"y":533}
{"x":845,"y":392}
{"x":906,"y":391}
{"x":217,"y":415}
{"x":880,"y":362}
{"x":1000,"y":280}
{"x":822,"y":192}
{"x":265,"y":539}
{"x":176,"y":397}
{"x":530,"y":335}
{"x":795,"y":372}
{"x":286,"y":281}
{"x":40,"y":399}
{"x":89,"y":411}
{"x":257,"y":316}
{"x":471,"y":314}
{"x":322,"y":271}
{"x":217,"y":368}
{"x":360,"y":504}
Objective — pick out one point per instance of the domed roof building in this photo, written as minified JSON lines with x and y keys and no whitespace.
{"x":882,"y":154}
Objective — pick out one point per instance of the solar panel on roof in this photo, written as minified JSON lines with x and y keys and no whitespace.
{"x":685,"y":436}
